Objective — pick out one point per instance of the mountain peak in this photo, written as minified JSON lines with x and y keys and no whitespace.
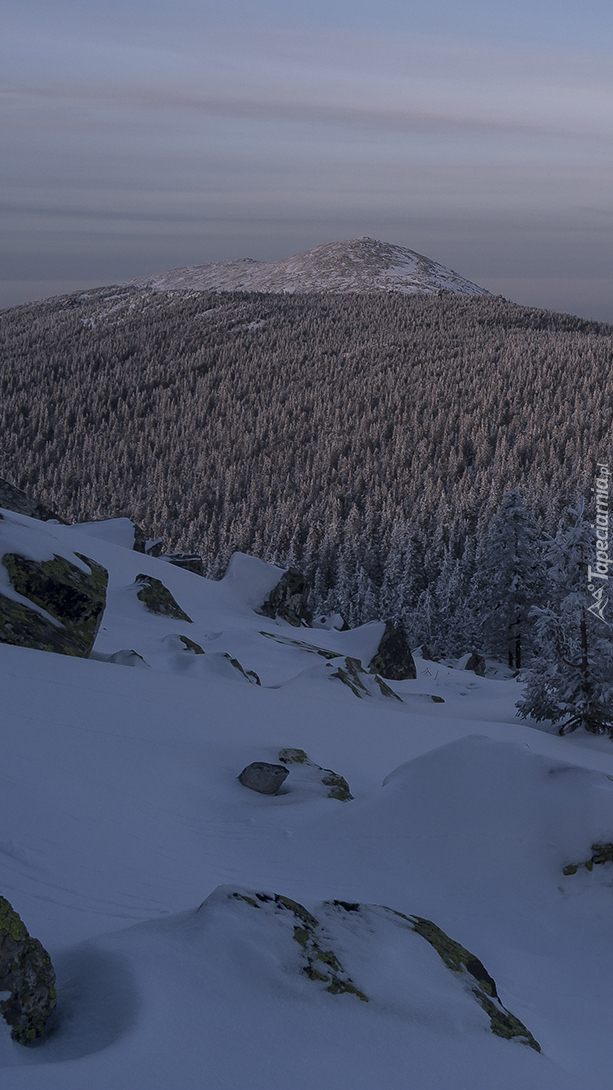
{"x":353,"y":265}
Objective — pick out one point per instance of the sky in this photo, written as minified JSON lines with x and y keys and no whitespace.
{"x":141,"y":137}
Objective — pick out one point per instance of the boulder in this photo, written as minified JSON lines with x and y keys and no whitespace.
{"x":354,"y":676}
{"x":158,"y":599}
{"x":476,"y":663}
{"x":13,"y":499}
{"x":263,"y":777}
{"x":309,"y":772}
{"x":393,"y":658}
{"x":73,"y":598}
{"x":26,"y":972}
{"x":288,"y":600}
{"x":188,"y":561}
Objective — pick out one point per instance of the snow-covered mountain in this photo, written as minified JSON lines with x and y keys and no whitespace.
{"x":358,"y":265}
{"x":426,"y":932}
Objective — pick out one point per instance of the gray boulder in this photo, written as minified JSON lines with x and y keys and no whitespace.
{"x":263,"y":777}
{"x":476,"y":663}
{"x":26,"y":972}
{"x":393,"y":658}
{"x":288,"y":600}
{"x":74,"y":598}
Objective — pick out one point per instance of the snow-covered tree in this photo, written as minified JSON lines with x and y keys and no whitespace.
{"x":509,"y":582}
{"x":571,"y":679}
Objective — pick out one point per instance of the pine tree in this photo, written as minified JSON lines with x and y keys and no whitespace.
{"x":572,"y":677}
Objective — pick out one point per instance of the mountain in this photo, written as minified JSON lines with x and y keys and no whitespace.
{"x":357,"y":265}
{"x":425,"y":930}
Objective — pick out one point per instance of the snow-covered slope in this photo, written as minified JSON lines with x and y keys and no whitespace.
{"x":149,"y":872}
{"x":361,"y":265}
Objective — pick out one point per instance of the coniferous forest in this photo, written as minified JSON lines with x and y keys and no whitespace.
{"x":368,"y":439}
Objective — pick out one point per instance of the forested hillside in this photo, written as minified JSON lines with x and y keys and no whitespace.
{"x":361,"y":436}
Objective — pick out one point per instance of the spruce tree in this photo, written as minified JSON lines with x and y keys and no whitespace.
{"x":571,"y":680}
{"x":509,"y":582}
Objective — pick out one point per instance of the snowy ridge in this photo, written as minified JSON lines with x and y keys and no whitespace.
{"x":356,"y":265}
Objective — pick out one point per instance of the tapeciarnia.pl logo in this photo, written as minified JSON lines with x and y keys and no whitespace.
{"x":598,"y":576}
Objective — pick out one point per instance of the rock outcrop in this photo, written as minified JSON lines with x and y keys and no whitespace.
{"x":70,"y":604}
{"x":337,"y":946}
{"x":26,"y":972}
{"x":288,"y":600}
{"x":336,"y":787}
{"x":158,"y":599}
{"x":393,"y":658}
{"x":13,"y":499}
{"x":354,"y":676}
{"x":263,"y":777}
{"x":188,"y":561}
{"x":476,"y":663}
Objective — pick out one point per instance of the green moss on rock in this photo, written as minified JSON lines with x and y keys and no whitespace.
{"x":339,"y":788}
{"x":249,"y":675}
{"x":338,"y":785}
{"x":293,"y":757}
{"x":191,"y":645}
{"x":158,"y":599}
{"x":457,"y":958}
{"x":353,"y":674}
{"x":601,"y":853}
{"x":27,"y":974}
{"x":74,"y":598}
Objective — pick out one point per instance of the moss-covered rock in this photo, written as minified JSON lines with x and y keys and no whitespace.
{"x":158,"y":599}
{"x":460,"y":960}
{"x":249,"y":675}
{"x":191,"y":645}
{"x":337,"y":785}
{"x":26,"y":972}
{"x":354,"y":676}
{"x":73,"y":597}
{"x":601,"y":853}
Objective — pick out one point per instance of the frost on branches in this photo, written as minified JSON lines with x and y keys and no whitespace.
{"x":571,"y":681}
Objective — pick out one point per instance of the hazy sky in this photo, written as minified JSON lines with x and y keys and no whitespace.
{"x":143,"y":136}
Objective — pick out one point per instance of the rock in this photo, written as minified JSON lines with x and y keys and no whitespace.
{"x":158,"y":598}
{"x":288,"y":600}
{"x":128,"y":657}
{"x":354,"y":676}
{"x":333,"y":622}
{"x":26,"y":972}
{"x":13,"y":499}
{"x":393,"y":658}
{"x":263,"y":777}
{"x":74,"y":598}
{"x":188,"y":561}
{"x":339,"y":937}
{"x":601,"y":853}
{"x":249,"y":675}
{"x":309,"y":771}
{"x":154,"y":547}
{"x":476,"y":663}
{"x":427,"y":655}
